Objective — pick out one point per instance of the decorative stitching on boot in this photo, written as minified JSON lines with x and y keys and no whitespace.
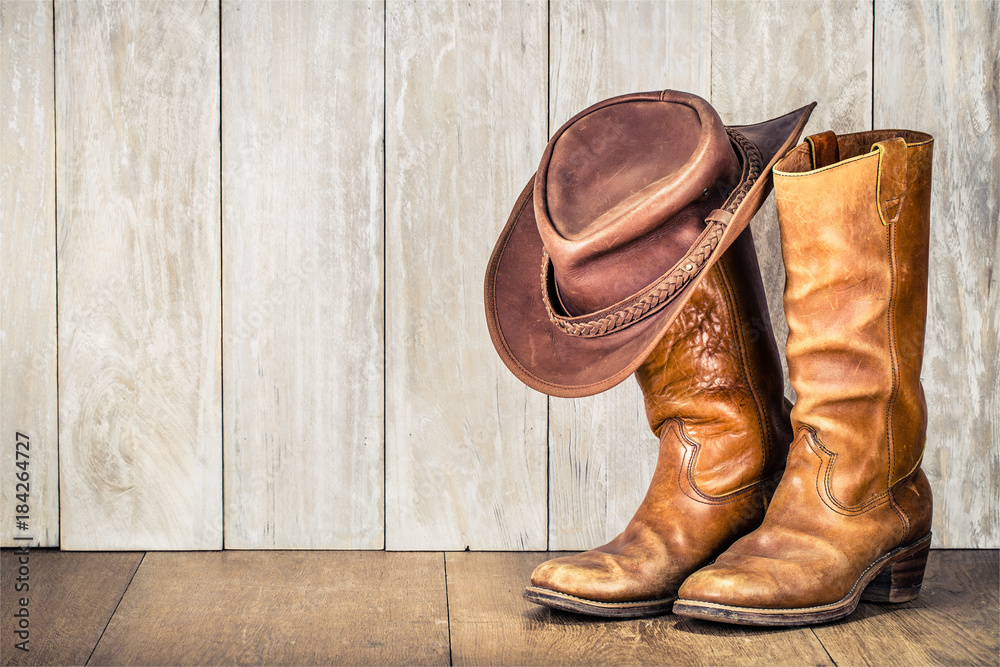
{"x":687,"y":482}
{"x":732,"y":307}
{"x":601,"y":603}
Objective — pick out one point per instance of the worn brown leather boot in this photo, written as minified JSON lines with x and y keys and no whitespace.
{"x":851,"y":517}
{"x":713,"y":395}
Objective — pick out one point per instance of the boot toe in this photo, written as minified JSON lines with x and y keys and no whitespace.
{"x":603,"y":577}
{"x":731,"y":586}
{"x":585,"y":575}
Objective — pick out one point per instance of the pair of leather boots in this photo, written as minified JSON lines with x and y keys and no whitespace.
{"x":760,"y":513}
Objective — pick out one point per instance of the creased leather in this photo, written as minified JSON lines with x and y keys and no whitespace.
{"x":713,"y":395}
{"x":623,"y":190}
{"x":855,"y":300}
{"x":662,"y":232}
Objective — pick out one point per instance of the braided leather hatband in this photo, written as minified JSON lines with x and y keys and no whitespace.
{"x":658,"y":294}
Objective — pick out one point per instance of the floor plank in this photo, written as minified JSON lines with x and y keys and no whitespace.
{"x":954,"y":621}
{"x":491,"y":624}
{"x":280,"y":608}
{"x":70,"y":597}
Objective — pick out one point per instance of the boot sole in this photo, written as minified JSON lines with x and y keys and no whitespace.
{"x":895,"y":577}
{"x":565,"y":602}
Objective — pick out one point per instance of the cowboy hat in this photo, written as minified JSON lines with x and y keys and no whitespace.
{"x":634,"y":200}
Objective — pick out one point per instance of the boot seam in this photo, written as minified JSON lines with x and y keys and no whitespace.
{"x":762,"y":429}
{"x":893,"y":357}
{"x":904,"y":516}
{"x":689,"y":459}
{"x":824,"y":477}
{"x":602,"y":603}
{"x":900,"y":513}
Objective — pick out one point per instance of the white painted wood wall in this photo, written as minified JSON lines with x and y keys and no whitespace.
{"x":242,"y":250}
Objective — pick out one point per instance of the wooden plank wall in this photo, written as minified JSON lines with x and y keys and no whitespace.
{"x":306,"y":363}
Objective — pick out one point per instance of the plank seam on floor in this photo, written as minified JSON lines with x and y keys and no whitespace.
{"x":825,"y":650}
{"x":447,"y":605}
{"x":118,"y":604}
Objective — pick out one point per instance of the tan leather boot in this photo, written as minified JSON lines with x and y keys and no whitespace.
{"x":713,"y":395}
{"x":851,"y":517}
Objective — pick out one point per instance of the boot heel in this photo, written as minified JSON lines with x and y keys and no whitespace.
{"x":899,"y":581}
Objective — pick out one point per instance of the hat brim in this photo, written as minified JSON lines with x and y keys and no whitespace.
{"x":551,"y":361}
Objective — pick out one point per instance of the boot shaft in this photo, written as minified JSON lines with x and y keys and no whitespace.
{"x":854,"y":212}
{"x":718,"y":373}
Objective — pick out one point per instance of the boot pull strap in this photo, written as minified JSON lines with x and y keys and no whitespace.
{"x":824,"y":149}
{"x":890,"y":188}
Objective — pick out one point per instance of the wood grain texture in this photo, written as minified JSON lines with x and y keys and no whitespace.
{"x":138,"y":216}
{"x":770,"y":58}
{"x":302,"y":274}
{"x":28,"y":269}
{"x":281,"y":608}
{"x":465,"y":440}
{"x":937,"y":70}
{"x":603,"y":48}
{"x":601,"y":451}
{"x":71,"y":597}
{"x":492,"y":625}
{"x":953,"y":622}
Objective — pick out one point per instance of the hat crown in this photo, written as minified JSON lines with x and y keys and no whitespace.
{"x":623,"y":190}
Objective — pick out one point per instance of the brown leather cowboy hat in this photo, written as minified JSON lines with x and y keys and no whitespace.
{"x":635,"y":198}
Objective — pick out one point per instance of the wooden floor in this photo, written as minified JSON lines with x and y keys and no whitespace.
{"x":379,"y":608}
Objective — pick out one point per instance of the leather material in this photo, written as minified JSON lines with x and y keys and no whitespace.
{"x":713,"y":395}
{"x":854,"y":238}
{"x":637,"y":175}
{"x":634,"y":200}
{"x":824,"y":149}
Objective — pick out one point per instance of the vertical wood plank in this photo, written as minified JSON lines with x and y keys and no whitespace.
{"x":28,"y":271}
{"x":137,"y":116}
{"x":937,"y":70}
{"x":601,"y":451}
{"x":465,"y":442}
{"x":770,"y":58}
{"x":302,"y":274}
